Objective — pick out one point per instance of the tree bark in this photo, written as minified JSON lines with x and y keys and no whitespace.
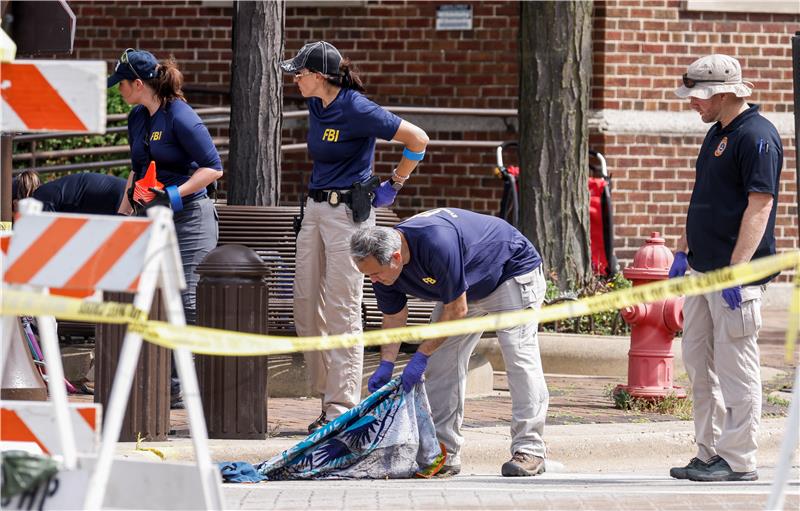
{"x":555,"y":71}
{"x":253,"y":176}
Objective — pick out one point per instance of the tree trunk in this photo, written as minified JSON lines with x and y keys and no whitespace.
{"x":253,"y":176}
{"x":555,"y":71}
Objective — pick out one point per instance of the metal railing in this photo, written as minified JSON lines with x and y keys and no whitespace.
{"x":212,"y":117}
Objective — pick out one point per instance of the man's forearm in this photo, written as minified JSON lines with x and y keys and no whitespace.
{"x":399,"y":320}
{"x":751,"y":231}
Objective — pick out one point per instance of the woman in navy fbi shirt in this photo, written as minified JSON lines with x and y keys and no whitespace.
{"x":343,"y":127}
{"x":163,"y":128}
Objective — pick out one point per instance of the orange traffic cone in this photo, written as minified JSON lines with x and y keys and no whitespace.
{"x":141,"y":191}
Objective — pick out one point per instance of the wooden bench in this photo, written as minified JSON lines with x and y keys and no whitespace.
{"x":268,"y":231}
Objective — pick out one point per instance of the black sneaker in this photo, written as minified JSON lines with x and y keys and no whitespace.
{"x":682,"y":472}
{"x":522,"y":465}
{"x":718,"y":470}
{"x":318,"y":423}
{"x":448,"y":471}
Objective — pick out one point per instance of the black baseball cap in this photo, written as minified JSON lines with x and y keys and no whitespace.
{"x":320,"y":56}
{"x":134,"y":64}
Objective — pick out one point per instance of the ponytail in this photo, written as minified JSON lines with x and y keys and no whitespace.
{"x":347,"y":77}
{"x":168,"y":82}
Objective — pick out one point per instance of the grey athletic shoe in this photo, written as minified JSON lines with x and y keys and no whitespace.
{"x":718,"y":470}
{"x":682,"y":472}
{"x":448,"y":471}
{"x":522,"y":465}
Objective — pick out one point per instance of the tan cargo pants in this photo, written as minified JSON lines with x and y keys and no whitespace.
{"x":720,"y":353}
{"x":327,"y":301}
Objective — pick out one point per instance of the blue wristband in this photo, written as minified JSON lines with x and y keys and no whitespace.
{"x":175,"y":199}
{"x":411,"y":155}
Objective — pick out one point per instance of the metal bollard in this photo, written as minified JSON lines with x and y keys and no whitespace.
{"x":232,"y":295}
{"x":147,"y":413}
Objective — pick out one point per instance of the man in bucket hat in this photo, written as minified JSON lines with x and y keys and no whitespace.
{"x":731,"y":220}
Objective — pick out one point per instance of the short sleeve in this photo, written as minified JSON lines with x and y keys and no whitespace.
{"x":390,"y":301}
{"x":193,"y":136}
{"x":760,"y":162}
{"x":372,"y":120}
{"x":441,"y":255}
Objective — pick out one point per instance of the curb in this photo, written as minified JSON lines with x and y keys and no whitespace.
{"x":571,"y":448}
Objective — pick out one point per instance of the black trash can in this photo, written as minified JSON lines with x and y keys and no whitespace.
{"x":232,"y":295}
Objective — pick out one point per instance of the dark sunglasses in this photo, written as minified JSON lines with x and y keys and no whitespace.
{"x":689,"y":83}
{"x":124,"y":59}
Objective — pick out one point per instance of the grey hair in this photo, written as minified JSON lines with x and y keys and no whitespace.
{"x":378,"y":242}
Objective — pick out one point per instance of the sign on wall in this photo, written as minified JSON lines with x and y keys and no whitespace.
{"x":454,"y":17}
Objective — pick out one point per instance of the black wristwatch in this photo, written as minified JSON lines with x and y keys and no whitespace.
{"x":396,"y":185}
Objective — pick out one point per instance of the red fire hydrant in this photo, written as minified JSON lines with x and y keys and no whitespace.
{"x":653,"y":326}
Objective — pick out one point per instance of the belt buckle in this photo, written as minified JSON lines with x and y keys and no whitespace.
{"x":333,"y":198}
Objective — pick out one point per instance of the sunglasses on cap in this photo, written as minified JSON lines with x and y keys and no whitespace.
{"x":690,"y":83}
{"x":124,"y":59}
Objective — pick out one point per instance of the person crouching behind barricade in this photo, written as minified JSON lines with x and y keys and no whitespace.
{"x":83,"y":192}
{"x":342,"y":128}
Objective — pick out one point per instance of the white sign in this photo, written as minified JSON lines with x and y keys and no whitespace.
{"x":454,"y":17}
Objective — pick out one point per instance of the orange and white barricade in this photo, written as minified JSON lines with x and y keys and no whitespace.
{"x":84,"y":253}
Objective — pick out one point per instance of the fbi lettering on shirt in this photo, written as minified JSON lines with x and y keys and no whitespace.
{"x":330,"y":135}
{"x":156,"y":135}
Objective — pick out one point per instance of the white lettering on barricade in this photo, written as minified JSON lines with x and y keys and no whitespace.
{"x":102,"y":253}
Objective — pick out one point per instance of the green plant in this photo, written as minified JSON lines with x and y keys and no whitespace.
{"x":114,"y":105}
{"x":669,"y":405}
{"x":777,"y":401}
{"x":600,"y":323}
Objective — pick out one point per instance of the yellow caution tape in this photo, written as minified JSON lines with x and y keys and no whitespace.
{"x":5,"y":226}
{"x":211,"y":341}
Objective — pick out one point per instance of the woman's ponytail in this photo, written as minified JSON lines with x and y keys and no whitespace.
{"x":168,"y":82}
{"x":347,"y":77}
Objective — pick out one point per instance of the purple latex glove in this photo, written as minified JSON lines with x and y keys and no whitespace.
{"x":733,"y":297}
{"x":679,"y":265}
{"x":413,"y":372}
{"x":384,"y":195}
{"x":381,"y":376}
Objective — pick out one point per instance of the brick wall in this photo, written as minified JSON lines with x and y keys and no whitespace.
{"x":641,"y":47}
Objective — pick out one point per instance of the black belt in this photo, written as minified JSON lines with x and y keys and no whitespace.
{"x":332,"y":197}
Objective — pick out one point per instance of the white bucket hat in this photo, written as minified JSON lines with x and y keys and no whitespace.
{"x":712,"y":75}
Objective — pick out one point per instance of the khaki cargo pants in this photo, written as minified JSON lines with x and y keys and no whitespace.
{"x":720,"y":353}
{"x":446,"y":374}
{"x":327,"y":301}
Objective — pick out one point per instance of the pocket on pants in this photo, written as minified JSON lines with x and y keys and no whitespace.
{"x":746,"y":320}
{"x":527,"y":289}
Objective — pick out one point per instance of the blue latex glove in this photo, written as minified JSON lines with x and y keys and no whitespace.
{"x":679,"y":265}
{"x":733,"y":297}
{"x":413,"y":372}
{"x":384,"y":195}
{"x":381,"y":376}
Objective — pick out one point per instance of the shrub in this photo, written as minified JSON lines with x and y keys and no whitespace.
{"x":601,"y":323}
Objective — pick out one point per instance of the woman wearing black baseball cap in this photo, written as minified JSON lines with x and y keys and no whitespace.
{"x":163,"y":128}
{"x":342,"y":130}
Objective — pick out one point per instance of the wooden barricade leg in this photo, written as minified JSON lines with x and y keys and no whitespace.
{"x":187,"y":374}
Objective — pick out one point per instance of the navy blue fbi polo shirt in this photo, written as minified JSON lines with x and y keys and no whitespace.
{"x":95,"y":194}
{"x":453,"y":251}
{"x":745,"y":156}
{"x":341,"y":139}
{"x":176,"y":139}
